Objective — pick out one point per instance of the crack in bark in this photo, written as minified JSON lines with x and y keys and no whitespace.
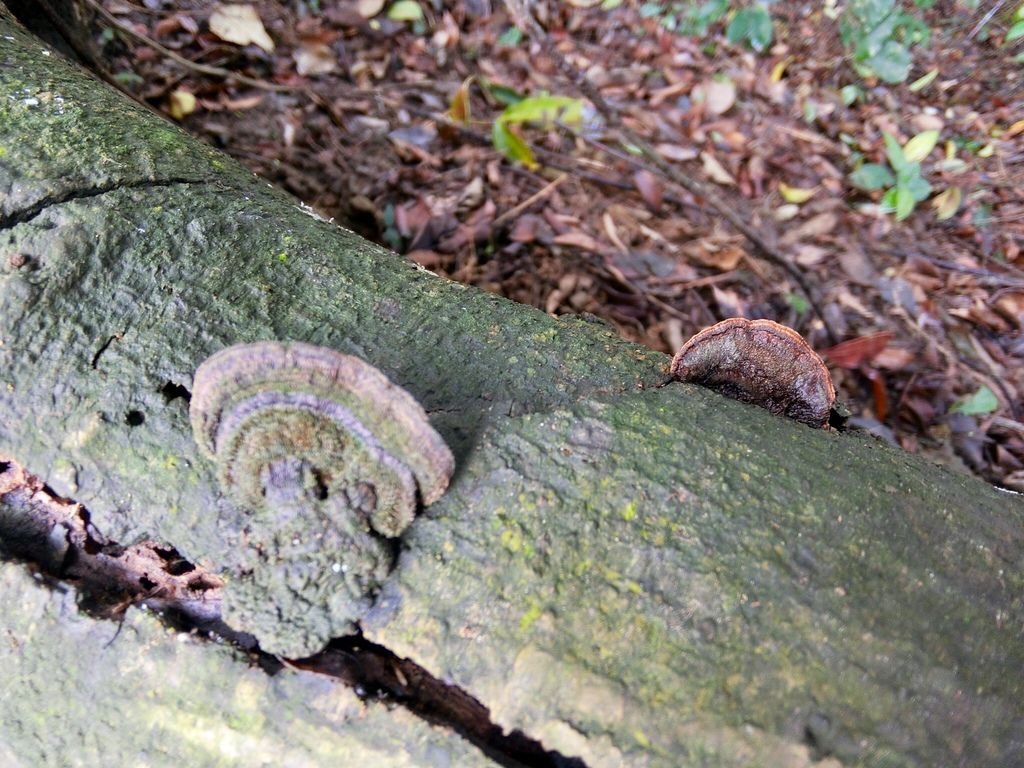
{"x":11,"y":220}
{"x":56,"y":536}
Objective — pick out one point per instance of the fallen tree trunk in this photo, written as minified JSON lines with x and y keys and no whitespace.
{"x":629,"y":571}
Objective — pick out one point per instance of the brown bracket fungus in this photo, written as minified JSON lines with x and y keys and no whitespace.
{"x":759,"y":362}
{"x":327,"y":458}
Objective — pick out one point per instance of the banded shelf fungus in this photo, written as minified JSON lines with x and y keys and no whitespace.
{"x":759,"y":362}
{"x":328,"y":460}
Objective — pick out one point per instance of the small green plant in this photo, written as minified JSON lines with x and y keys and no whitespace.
{"x":688,"y":18}
{"x":1016,"y":30}
{"x":751,"y":24}
{"x":543,"y":110}
{"x":880,"y":34}
{"x":901,"y":178}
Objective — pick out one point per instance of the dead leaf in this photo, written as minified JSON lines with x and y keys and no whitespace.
{"x":180,"y":104}
{"x":797,"y":195}
{"x":579,"y":240}
{"x":820,"y":225}
{"x":459,"y":109}
{"x":894,"y":359}
{"x":650,"y":187}
{"x":810,"y":255}
{"x":315,"y":59}
{"x":676,"y":152}
{"x":947,"y":203}
{"x":369,"y":8}
{"x":854,"y":353}
{"x":786,"y":212}
{"x":719,"y":96}
{"x":723,"y":256}
{"x":715,"y":170}
{"x":613,"y":232}
{"x":241,"y":25}
{"x":245,"y":102}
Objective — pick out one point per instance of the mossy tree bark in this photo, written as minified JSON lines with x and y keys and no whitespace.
{"x":632,"y":571}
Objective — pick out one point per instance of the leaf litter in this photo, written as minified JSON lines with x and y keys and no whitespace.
{"x":386,"y":117}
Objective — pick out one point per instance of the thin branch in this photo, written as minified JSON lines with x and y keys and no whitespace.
{"x":985,"y":19}
{"x":513,"y":212}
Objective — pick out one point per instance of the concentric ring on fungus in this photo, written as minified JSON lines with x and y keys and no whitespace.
{"x":257,"y":405}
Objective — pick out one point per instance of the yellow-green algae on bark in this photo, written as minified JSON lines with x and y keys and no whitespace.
{"x":670,"y":574}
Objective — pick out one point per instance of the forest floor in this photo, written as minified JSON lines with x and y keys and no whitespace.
{"x":382,"y":116}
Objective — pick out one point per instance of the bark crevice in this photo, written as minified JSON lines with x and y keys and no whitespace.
{"x":25,"y":215}
{"x":56,"y":537}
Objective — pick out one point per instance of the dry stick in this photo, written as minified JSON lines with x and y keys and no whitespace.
{"x":529,"y":26}
{"x":985,"y":19}
{"x":547,"y":190}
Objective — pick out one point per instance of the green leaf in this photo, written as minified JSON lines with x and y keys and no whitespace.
{"x":799,"y":304}
{"x":894,"y":152}
{"x":850,"y":93}
{"x":918,"y":148}
{"x":904,"y":202}
{"x":511,"y":146}
{"x":510,"y":38}
{"x":502,"y":93}
{"x":405,"y":10}
{"x":918,"y":187}
{"x":923,"y":82}
{"x":891,"y":62}
{"x":1017,"y":30}
{"x":753,"y":25}
{"x":888,"y":201}
{"x":544,"y":110}
{"x":872,"y":176}
{"x":982,"y":401}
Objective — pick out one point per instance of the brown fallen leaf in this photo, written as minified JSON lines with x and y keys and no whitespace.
{"x":241,"y":25}
{"x":822,"y":224}
{"x":676,"y":152}
{"x":315,"y":59}
{"x":579,"y":240}
{"x":650,"y":187}
{"x":854,"y":353}
{"x":715,"y":170}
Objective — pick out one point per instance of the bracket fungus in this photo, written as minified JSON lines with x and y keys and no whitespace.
{"x":328,"y":459}
{"x":759,"y":362}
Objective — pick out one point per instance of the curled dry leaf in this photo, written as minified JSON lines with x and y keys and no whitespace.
{"x":715,"y":170}
{"x":719,"y":96}
{"x":315,"y":59}
{"x":241,"y":25}
{"x":759,"y":362}
{"x":854,"y":353}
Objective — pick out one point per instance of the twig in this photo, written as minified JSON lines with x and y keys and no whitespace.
{"x":547,"y":190}
{"x":529,"y":26}
{"x":205,"y":69}
{"x":985,"y":19}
